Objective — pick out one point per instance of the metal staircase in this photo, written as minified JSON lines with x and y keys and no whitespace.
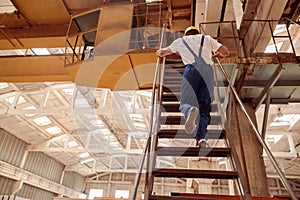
{"x":171,"y":121}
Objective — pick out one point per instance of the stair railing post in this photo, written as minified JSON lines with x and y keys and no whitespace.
{"x":152,"y":123}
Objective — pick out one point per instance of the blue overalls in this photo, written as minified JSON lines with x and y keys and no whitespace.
{"x":197,"y":90}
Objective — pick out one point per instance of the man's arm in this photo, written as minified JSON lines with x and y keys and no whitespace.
{"x":164,"y":52}
{"x":222,"y":52}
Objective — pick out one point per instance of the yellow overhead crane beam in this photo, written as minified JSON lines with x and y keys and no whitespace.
{"x":131,"y":70}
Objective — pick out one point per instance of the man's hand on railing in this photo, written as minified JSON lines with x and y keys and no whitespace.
{"x":217,"y":54}
{"x":221,"y":52}
{"x":163,"y":52}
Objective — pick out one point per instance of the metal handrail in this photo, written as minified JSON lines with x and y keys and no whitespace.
{"x":243,"y":182}
{"x":258,"y":135}
{"x":149,"y":137}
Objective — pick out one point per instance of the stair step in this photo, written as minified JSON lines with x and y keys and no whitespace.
{"x":160,"y":197}
{"x":172,"y":80}
{"x":173,"y":74}
{"x":171,"y":96}
{"x":176,"y":120}
{"x":193,"y":196}
{"x":188,"y":196}
{"x":171,"y":88}
{"x":219,"y":197}
{"x":177,"y":67}
{"x":174,"y":107}
{"x":180,"y":134}
{"x":193,"y":151}
{"x":174,"y":62}
{"x":193,"y":173}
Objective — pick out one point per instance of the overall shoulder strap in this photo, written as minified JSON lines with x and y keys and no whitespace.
{"x":189,"y":48}
{"x":201,"y":45}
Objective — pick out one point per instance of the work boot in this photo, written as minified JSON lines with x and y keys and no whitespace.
{"x":190,"y":123}
{"x":202,"y":143}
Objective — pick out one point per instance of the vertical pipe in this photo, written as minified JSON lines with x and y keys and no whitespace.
{"x":266,"y":114}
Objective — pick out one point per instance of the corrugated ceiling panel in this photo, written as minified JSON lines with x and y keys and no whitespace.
{"x":43,"y":165}
{"x":5,"y":185}
{"x":11,"y":148}
{"x":33,"y":193}
{"x":74,"y":181}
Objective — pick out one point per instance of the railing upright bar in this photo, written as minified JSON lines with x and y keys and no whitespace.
{"x":149,"y":137}
{"x":258,"y":135}
{"x":290,"y":39}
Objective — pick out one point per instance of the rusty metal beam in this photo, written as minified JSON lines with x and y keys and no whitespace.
{"x":270,"y":84}
{"x":261,"y":59}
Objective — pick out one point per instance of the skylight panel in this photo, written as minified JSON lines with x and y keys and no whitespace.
{"x":30,"y":108}
{"x":54,"y":130}
{"x":97,"y":123}
{"x":137,"y":117}
{"x":15,"y":52}
{"x":42,"y":121}
{"x":4,"y":85}
{"x":56,"y":50}
{"x":122,"y":194}
{"x":280,"y":28}
{"x":41,"y":51}
{"x":286,"y":120}
{"x":72,"y":144}
{"x":6,"y":6}
{"x":11,"y":100}
{"x":95,"y":193}
{"x":153,"y":1}
{"x":139,"y":125}
{"x":272,"y":48}
{"x":84,"y":155}
{"x":274,"y":138}
{"x":87,"y":160}
{"x":114,"y":144}
{"x":68,"y":91}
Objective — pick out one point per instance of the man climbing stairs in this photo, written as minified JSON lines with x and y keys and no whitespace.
{"x":172,"y":128}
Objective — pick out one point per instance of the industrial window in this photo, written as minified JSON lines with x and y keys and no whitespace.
{"x":122,"y":194}
{"x":95,"y":193}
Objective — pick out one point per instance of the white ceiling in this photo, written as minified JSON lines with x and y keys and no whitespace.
{"x":111,"y":137}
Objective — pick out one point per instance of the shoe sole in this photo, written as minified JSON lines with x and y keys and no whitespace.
{"x":202,"y":145}
{"x":190,"y":124}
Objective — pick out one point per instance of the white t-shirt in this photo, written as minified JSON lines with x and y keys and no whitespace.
{"x":194,"y":41}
